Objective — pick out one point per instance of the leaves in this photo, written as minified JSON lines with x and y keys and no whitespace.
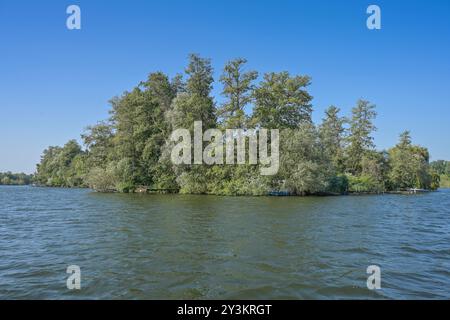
{"x":132,"y":148}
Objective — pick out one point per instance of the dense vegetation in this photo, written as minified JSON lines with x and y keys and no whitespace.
{"x":443,"y":169}
{"x":132,"y":148}
{"x":9,"y":178}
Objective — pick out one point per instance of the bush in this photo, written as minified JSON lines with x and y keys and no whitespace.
{"x":338,"y":184}
{"x":364,"y":183}
{"x":193,"y":181}
{"x":102,"y":180}
{"x":445,"y":181}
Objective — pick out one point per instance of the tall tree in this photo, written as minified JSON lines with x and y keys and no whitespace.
{"x":237,"y":88}
{"x":360,"y":139}
{"x":282,"y":101}
{"x":200,"y":73}
{"x":331,"y":133}
{"x":196,"y":103}
{"x":141,"y":130}
{"x":126,"y":115}
{"x":375,"y":169}
{"x":59,"y":167}
{"x":410,"y":165}
{"x":161,"y":92}
{"x":98,"y":140}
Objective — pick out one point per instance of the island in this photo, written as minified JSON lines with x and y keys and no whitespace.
{"x":131,"y":151}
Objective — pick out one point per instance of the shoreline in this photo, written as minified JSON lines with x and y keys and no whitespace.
{"x":269,"y":194}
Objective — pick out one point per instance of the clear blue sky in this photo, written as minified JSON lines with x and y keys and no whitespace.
{"x":54,"y":82}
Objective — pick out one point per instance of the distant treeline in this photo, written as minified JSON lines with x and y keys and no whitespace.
{"x":9,"y":178}
{"x":443,"y":169}
{"x":132,"y":148}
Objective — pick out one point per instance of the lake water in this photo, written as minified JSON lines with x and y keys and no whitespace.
{"x":208,"y":247}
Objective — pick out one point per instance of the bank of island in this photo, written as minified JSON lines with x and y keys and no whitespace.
{"x":130,"y":151}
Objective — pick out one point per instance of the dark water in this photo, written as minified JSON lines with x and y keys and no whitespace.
{"x":198,"y":247}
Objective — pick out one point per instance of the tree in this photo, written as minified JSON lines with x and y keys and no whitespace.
{"x":440,"y":167}
{"x":138,"y":118}
{"x":375,"y":169}
{"x":195,"y":104}
{"x":159,"y":92}
{"x":282,"y":101}
{"x":9,"y":178}
{"x":331,"y":133}
{"x":409,"y":165}
{"x":128,"y":116}
{"x":132,"y":148}
{"x":237,"y":88}
{"x":102,"y":180}
{"x":200,"y":73}
{"x":99,"y":143}
{"x":360,"y":140}
{"x":61,"y":167}
{"x":303,"y":168}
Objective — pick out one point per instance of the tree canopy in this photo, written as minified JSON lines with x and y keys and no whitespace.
{"x":18,"y":179}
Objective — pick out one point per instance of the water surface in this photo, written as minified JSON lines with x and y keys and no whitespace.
{"x":207,"y":247}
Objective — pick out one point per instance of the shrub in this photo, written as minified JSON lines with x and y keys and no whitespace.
{"x":338,"y":184}
{"x":364,"y":183}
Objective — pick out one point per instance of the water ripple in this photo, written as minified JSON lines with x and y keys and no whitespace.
{"x":198,"y":247}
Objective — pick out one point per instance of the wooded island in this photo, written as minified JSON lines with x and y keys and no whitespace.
{"x":130,"y":151}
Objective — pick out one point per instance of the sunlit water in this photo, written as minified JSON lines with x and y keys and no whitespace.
{"x":200,"y":247}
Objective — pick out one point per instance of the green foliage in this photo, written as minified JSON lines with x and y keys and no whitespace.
{"x":410,"y":165}
{"x":103,"y":180}
{"x":303,"y":167}
{"x":375,"y":167}
{"x":332,"y":137}
{"x":441,"y":168}
{"x":17,"y":179}
{"x":338,"y":184}
{"x":243,"y":180}
{"x":282,"y":101}
{"x":195,"y":104}
{"x":193,"y":181}
{"x":62,"y":167}
{"x":363,"y":183}
{"x":130,"y":151}
{"x":445,"y":181}
{"x":200,"y":73}
{"x":98,"y":140}
{"x":237,"y":88}
{"x":360,"y":139}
